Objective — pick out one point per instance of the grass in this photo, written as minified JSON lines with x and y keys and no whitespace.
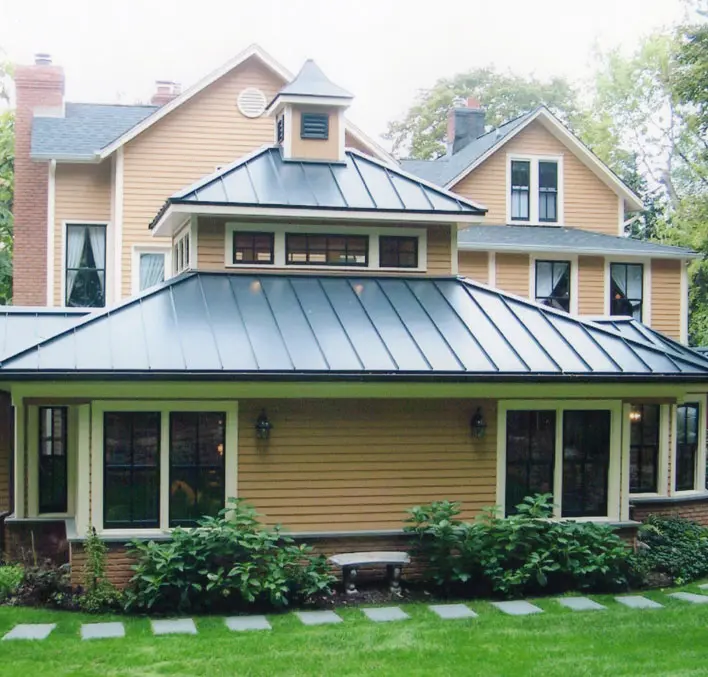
{"x":617,"y":642}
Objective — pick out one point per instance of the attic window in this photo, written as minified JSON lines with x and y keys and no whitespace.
{"x":314,"y":126}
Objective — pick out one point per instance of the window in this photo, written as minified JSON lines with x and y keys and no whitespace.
{"x":131,"y":477}
{"x":52,"y":460}
{"x":314,"y":126}
{"x":547,"y":191}
{"x":197,"y":442}
{"x":644,"y":448}
{"x":520,"y":190}
{"x":530,"y":455}
{"x":327,"y":250}
{"x":252,"y":248}
{"x":180,"y":253}
{"x":553,"y":284}
{"x":626,"y":289}
{"x":281,"y":129}
{"x":686,"y":446}
{"x":85,"y":285}
{"x":152,"y":269}
{"x":586,"y":460}
{"x":398,"y":252}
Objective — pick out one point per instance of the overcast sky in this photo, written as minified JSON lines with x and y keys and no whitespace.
{"x":381,"y":50}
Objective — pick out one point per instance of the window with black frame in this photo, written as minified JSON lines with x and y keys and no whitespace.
{"x":85,"y":265}
{"x":131,"y":472}
{"x":52,"y":460}
{"x":398,"y":252}
{"x":530,"y":455}
{"x":586,"y":460}
{"x":553,"y":284}
{"x":197,"y":444}
{"x":252,"y":248}
{"x":644,"y":448}
{"x":627,"y":289}
{"x":520,"y":190}
{"x":547,"y":191}
{"x":327,"y":250}
{"x":686,"y":446}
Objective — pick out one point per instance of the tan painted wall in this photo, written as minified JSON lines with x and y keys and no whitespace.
{"x":82,"y":193}
{"x":666,"y":296}
{"x":589,"y":203}
{"x":358,"y":465}
{"x":591,"y":280}
{"x":474,"y":265}
{"x":512,"y":273}
{"x":315,"y":149}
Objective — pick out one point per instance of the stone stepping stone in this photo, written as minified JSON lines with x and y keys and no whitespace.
{"x":517,"y":608}
{"x":703,"y":586}
{"x":102,"y":630}
{"x":241,"y":623}
{"x":30,"y":631}
{"x":638,"y":602}
{"x":449,"y":611}
{"x":318,"y":617}
{"x":384,"y":614}
{"x":174,"y":626}
{"x":691,"y":597}
{"x":580,"y":604}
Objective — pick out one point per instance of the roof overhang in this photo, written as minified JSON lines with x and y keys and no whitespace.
{"x":73,"y":159}
{"x":587,"y":251}
{"x":282,"y":100}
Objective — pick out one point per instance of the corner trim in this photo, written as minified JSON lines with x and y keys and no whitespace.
{"x":51,"y":226}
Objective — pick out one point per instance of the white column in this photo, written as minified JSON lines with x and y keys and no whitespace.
{"x":83,"y":469}
{"x":19,"y":458}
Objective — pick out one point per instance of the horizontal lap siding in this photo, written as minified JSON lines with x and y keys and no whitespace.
{"x":474,"y":265}
{"x":591,"y":280}
{"x":347,"y":465}
{"x":512,"y":273}
{"x":439,"y":250}
{"x":666,"y":296}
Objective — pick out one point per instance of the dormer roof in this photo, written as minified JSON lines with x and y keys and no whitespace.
{"x":311,"y":81}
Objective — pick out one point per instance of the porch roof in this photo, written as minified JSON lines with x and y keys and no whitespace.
{"x":280,"y":326}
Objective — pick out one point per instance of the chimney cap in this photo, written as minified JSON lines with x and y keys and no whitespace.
{"x":43,"y":59}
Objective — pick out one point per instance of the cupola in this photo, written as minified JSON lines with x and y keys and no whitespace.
{"x":309,"y":117}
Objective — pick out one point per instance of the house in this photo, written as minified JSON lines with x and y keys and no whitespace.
{"x":246,"y":297}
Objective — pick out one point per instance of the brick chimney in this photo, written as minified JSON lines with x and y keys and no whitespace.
{"x":165,"y":91}
{"x":39,"y":88}
{"x":464,"y":124}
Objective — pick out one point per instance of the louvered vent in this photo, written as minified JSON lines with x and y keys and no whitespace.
{"x":251,"y":102}
{"x":314,"y":126}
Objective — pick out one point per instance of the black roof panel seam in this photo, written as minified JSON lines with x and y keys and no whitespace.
{"x":339,"y":188}
{"x":387,"y":174}
{"x":309,"y":324}
{"x":363,"y":182}
{"x":277,"y":324}
{"x":566,"y":341}
{"x":243,"y":321}
{"x":588,"y":333}
{"x":209,"y":323}
{"x":176,"y":321}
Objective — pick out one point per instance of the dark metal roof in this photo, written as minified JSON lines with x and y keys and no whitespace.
{"x":84,"y":129}
{"x":311,"y":81}
{"x":219,"y":325}
{"x":560,"y":239}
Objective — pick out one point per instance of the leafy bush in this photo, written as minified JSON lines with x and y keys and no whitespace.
{"x":524,"y":553}
{"x":674,"y":546}
{"x":45,"y":585}
{"x":225,"y":562}
{"x":98,"y":593}
{"x":11,"y":576}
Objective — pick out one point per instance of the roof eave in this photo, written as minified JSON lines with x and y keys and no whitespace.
{"x":589,"y":251}
{"x":81,"y":158}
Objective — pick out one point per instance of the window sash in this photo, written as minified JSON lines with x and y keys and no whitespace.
{"x":644,"y":450}
{"x":547,"y":191}
{"x":85,"y":284}
{"x":52,"y":466}
{"x":252,"y":245}
{"x":152,"y":269}
{"x":627,"y":289}
{"x":310,"y":249}
{"x":398,"y":251}
{"x":687,"y":438}
{"x":549,"y":293}
{"x":520,"y":190}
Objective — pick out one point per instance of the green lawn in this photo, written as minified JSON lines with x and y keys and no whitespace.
{"x":618,"y":641}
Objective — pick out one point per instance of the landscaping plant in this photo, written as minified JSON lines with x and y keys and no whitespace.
{"x":98,"y":594}
{"x":11,"y":576}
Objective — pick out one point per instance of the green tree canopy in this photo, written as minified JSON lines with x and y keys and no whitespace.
{"x":7,"y":183}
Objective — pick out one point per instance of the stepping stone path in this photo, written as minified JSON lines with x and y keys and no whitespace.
{"x":448,"y":611}
{"x":241,"y":623}
{"x":518,"y":608}
{"x":318,"y":617}
{"x":690,"y":597}
{"x":30,"y":631}
{"x":638,"y":602}
{"x":703,"y":586}
{"x":174,"y":626}
{"x":384,"y":614}
{"x":580,"y":604}
{"x":102,"y":630}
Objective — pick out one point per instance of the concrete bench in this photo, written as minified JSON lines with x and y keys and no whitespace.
{"x":351,"y":561}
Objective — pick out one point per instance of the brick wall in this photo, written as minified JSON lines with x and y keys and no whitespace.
{"x":42,"y":539}
{"x":696,"y":511}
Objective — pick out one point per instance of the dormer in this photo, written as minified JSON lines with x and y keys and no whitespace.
{"x":309,"y":117}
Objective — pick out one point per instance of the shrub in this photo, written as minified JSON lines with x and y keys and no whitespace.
{"x":11,"y":576}
{"x":524,"y":553}
{"x":225,"y":562}
{"x":45,"y":585}
{"x":98,"y":593}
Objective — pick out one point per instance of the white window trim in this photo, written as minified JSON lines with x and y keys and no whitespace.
{"x":180,"y":235}
{"x":164,"y":407}
{"x":699,"y":487}
{"x":646,"y":285}
{"x":51,"y":216}
{"x":148,"y":249}
{"x":280,"y":232}
{"x":574,"y":276}
{"x":78,"y":222}
{"x":662,"y":475}
{"x":684,"y":303}
{"x":533,"y":160}
{"x":615,"y":480}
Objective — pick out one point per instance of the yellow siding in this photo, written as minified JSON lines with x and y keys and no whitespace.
{"x":589,"y":203}
{"x":591,"y":280}
{"x":358,"y":465}
{"x":315,"y":149}
{"x":439,"y":250}
{"x":666,"y":297}
{"x":82,"y":193}
{"x":512,"y":274}
{"x":474,"y":265}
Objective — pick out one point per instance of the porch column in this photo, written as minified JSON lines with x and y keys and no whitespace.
{"x":20,"y":470}
{"x":83,"y":469}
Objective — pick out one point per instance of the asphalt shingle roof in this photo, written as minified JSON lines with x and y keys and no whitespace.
{"x":84,"y":130}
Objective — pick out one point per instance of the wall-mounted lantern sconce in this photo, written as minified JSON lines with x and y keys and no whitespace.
{"x":478,"y":425}
{"x":635,"y":414}
{"x":263,"y":426}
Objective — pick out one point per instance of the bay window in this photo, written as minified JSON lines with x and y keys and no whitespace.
{"x":85,"y":266}
{"x":52,"y":466}
{"x":644,"y":444}
{"x":687,"y":438}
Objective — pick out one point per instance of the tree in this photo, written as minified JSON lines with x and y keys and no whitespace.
{"x":421,"y":132}
{"x":7,"y":182}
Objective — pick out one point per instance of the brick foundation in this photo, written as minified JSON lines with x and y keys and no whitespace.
{"x":118,"y":564}
{"x":27,"y":540}
{"x":691,"y":509}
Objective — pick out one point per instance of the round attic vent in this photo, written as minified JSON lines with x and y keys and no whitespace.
{"x":251,"y":102}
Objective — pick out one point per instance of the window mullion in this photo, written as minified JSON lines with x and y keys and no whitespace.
{"x":164,"y":469}
{"x":558,"y":468}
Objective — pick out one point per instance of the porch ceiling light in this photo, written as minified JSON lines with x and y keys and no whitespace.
{"x":263,"y":426}
{"x":478,"y":425}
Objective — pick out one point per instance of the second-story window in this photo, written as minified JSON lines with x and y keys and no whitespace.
{"x":85,"y":266}
{"x":520,"y":190}
{"x":252,"y":248}
{"x":180,"y":253}
{"x":327,"y":250}
{"x":548,"y":191}
{"x":627,"y":289}
{"x":398,"y":252}
{"x":553,"y":284}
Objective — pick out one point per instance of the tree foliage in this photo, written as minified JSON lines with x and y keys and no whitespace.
{"x":7,"y":183}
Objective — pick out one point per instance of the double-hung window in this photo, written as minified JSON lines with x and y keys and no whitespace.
{"x":534,"y":190}
{"x":553,"y":284}
{"x":627,"y":289}
{"x":687,"y":422}
{"x":52,"y":460}
{"x":85,"y":266}
{"x":520,"y":190}
{"x":548,"y":191}
{"x":644,"y":448}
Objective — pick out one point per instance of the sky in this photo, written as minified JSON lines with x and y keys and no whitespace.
{"x":384,"y":51}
